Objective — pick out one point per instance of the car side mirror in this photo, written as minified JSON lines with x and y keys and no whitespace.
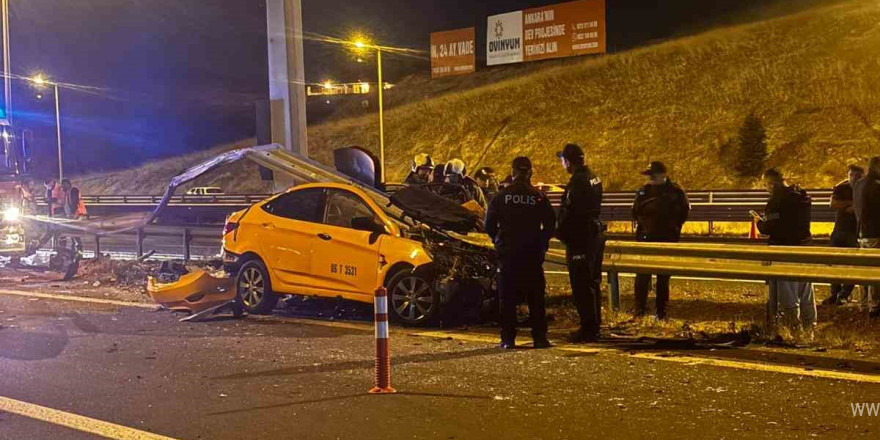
{"x":368,"y":224}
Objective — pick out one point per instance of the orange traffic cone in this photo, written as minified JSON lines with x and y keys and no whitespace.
{"x":753,"y":233}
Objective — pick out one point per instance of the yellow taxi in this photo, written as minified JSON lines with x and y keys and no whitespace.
{"x":338,"y":240}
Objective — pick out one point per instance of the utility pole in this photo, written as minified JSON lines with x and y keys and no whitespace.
{"x":7,"y":80}
{"x":287,"y":75}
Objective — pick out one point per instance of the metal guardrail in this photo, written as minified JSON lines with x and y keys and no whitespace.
{"x":707,"y":206}
{"x":736,"y":262}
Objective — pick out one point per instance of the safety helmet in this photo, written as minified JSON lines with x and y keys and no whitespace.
{"x":422,"y":161}
{"x":455,"y":166}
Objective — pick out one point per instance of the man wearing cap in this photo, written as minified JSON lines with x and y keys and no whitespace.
{"x":580,"y":229}
{"x":660,"y":210}
{"x":485,"y":178}
{"x":521,"y":222}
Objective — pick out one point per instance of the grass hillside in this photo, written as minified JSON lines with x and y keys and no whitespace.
{"x":812,"y":77}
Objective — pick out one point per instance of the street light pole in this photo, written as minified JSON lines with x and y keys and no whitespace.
{"x":58,"y":134}
{"x":381,"y":119}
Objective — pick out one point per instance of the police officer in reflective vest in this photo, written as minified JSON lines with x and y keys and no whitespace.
{"x":581,"y":231}
{"x":521,"y":222}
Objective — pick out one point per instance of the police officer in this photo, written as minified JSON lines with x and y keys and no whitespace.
{"x":521,"y":222}
{"x":661,"y":208}
{"x":581,"y":231}
{"x":420,"y":173}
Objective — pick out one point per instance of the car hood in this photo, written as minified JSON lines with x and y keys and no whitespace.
{"x":422,"y":205}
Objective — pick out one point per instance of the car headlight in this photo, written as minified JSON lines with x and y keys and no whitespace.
{"x":11,"y":214}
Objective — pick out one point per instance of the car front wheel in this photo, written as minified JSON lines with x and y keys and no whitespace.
{"x":254,"y":288}
{"x":412,"y":299}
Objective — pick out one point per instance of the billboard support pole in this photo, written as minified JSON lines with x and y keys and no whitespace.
{"x":287,"y":72}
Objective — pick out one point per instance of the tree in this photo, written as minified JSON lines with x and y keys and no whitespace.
{"x":751,"y":152}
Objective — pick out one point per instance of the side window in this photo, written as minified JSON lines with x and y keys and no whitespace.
{"x":342,"y":206}
{"x":304,"y":205}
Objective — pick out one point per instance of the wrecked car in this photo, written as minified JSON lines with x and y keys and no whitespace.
{"x":340,"y":241}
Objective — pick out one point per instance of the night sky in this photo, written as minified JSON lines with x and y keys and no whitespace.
{"x":182,"y":75}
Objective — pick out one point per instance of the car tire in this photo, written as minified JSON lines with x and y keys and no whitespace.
{"x":254,"y":288}
{"x":412,"y":299}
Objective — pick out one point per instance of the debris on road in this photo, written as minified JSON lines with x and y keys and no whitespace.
{"x":177,"y":288}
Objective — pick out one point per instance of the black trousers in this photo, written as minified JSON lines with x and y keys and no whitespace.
{"x":585,"y":275}
{"x":643,"y":285}
{"x":843,"y":240}
{"x":522,"y":276}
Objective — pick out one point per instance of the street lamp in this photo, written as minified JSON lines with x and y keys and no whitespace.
{"x":363,"y":44}
{"x":41,"y":81}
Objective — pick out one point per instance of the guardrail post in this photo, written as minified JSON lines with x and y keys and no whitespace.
{"x":614,"y":295}
{"x":772,"y":305}
{"x":187,"y":238}
{"x":140,"y":242}
{"x":97,"y":247}
{"x":711,"y":223}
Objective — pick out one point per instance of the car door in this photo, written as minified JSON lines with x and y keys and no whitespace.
{"x":287,"y":233}
{"x":344,"y":259}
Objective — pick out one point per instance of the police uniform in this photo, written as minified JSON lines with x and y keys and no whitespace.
{"x":660,"y":212}
{"x":581,"y":231}
{"x":520,"y":221}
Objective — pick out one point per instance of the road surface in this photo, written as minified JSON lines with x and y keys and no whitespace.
{"x":71,"y":369}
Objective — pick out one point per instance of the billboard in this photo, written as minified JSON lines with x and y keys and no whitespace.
{"x":453,"y":52}
{"x":504,"y":35}
{"x":555,"y":31}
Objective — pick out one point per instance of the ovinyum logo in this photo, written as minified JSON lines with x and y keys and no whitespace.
{"x":865,"y":409}
{"x":499,"y":30}
{"x":501,"y":44}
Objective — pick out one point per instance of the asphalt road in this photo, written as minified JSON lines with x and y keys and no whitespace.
{"x":282,"y":377}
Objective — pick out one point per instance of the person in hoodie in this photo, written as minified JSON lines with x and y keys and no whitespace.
{"x":786,"y":221}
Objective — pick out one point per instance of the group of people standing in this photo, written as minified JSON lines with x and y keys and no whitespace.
{"x":521,"y":223}
{"x":787,"y":220}
{"x":64,"y":201}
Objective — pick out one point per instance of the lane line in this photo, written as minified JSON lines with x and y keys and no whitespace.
{"x":491,"y":339}
{"x":75,"y":421}
{"x":82,"y":299}
{"x":681,"y":359}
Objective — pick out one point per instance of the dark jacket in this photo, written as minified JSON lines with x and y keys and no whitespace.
{"x":579,"y":222}
{"x":414,"y":179}
{"x":71,"y":202}
{"x":520,"y":220}
{"x":661,"y":211}
{"x":869,"y":207}
{"x":787,"y":217}
{"x":473,"y":189}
